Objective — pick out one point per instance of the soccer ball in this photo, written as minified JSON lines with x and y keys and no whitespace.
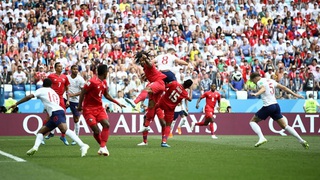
{"x":237,"y":76}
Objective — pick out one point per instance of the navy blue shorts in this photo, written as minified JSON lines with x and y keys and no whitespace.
{"x":56,"y":118}
{"x":181,"y":113}
{"x":273,"y":111}
{"x":73,"y":107}
{"x":170,"y":76}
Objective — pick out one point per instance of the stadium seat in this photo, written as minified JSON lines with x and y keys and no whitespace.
{"x":18,"y":94}
{"x":18,"y":87}
{"x":232,"y":94}
{"x":242,"y":94}
{"x":315,"y":94}
{"x":225,"y":87}
{"x":38,"y":86}
{"x":228,"y":38}
{"x":7,"y":94}
{"x":7,"y":88}
{"x":29,"y":87}
{"x":302,"y":93}
{"x":196,"y":94}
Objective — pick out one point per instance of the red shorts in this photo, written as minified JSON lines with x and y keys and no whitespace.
{"x":164,"y":113}
{"x":209,"y":114}
{"x":157,"y":87}
{"x":94,"y":115}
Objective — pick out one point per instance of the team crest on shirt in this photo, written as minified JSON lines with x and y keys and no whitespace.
{"x":88,"y":83}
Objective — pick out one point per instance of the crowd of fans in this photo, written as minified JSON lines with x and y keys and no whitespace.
{"x":278,"y":38}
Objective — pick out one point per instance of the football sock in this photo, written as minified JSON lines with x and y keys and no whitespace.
{"x":165,"y":134}
{"x":104,"y":137}
{"x":183,"y":120}
{"x":172,"y":126}
{"x":76,"y":128}
{"x":256,"y":128}
{"x":293,"y":132}
{"x":211,"y":128}
{"x":38,"y":141}
{"x":200,"y":123}
{"x":52,"y":132}
{"x":63,"y":135}
{"x":74,"y":137}
{"x":141,"y":97}
{"x":145,"y":136}
{"x":97,"y":137}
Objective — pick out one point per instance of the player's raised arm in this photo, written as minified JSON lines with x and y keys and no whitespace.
{"x":181,"y":62}
{"x":25,"y":99}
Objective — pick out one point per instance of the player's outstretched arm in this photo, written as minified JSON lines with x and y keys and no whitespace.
{"x":81,"y":97}
{"x":181,"y":62}
{"x":107,"y":96}
{"x":198,"y":101}
{"x":284,"y":88}
{"x":261,"y":91}
{"x":25,"y":99}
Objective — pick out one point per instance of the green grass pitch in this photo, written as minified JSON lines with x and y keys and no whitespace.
{"x":190,"y":157}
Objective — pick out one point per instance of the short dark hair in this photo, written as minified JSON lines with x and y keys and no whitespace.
{"x":254,"y":75}
{"x":47,"y":82}
{"x":73,"y":66}
{"x":188,"y":83}
{"x":102,"y":69}
{"x":56,"y":64}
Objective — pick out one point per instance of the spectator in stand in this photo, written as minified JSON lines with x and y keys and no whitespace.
{"x":19,"y":77}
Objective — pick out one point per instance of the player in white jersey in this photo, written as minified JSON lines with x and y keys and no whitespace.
{"x":76,"y":84}
{"x":182,"y":111}
{"x":166,"y":62}
{"x":271,"y":108}
{"x":51,"y":100}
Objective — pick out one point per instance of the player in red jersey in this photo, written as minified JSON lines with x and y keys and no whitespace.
{"x":60,"y":85}
{"x":212,"y":97}
{"x":93,"y":110}
{"x":154,"y":89}
{"x":165,"y":108}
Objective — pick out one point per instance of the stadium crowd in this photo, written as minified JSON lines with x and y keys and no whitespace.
{"x":278,"y":38}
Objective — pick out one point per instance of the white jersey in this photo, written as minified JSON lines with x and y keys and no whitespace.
{"x":268,"y":97}
{"x":76,"y":84}
{"x":181,"y":106}
{"x":49,"y":98}
{"x":165,"y":62}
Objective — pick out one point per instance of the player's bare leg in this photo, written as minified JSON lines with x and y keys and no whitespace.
{"x":293,"y":132}
{"x":256,"y":128}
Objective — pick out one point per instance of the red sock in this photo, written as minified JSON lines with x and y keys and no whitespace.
{"x":165,"y":133}
{"x":145,"y":136}
{"x":141,"y":97}
{"x":63,"y":134}
{"x":200,"y":123}
{"x":104,"y":137}
{"x":97,"y":137}
{"x":211,"y":128}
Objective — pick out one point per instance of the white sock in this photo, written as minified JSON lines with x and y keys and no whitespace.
{"x":74,"y":137}
{"x":76,"y":128}
{"x":38,"y":141}
{"x":293,"y":132}
{"x":183,"y":120}
{"x":52,"y":132}
{"x":172,"y":126}
{"x":256,"y":128}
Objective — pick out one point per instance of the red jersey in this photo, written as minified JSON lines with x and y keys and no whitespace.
{"x":211,"y":99}
{"x":153,"y":74}
{"x":173,"y":95}
{"x":95,"y":90}
{"x":59,"y":83}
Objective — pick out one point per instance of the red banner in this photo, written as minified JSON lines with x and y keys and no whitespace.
{"x":129,"y":124}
